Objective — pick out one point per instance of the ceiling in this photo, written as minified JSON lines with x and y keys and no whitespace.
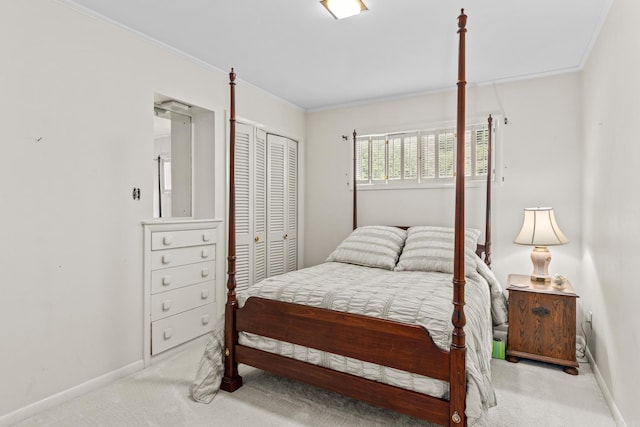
{"x":295,"y":50}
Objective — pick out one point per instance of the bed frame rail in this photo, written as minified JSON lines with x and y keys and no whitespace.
{"x":408,"y":402}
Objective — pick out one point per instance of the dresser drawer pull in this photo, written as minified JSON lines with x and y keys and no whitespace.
{"x":205,"y":253}
{"x":205,"y":272}
{"x":205,"y":237}
{"x":540,"y":311}
{"x":205,"y":319}
{"x":167,"y":333}
{"x":167,"y":240}
{"x":166,"y":280}
{"x":204,"y":294}
{"x":166,"y":259}
{"x":166,"y":305}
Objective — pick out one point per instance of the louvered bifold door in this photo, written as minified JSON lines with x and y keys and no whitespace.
{"x":260,"y":206}
{"x":282,"y":205}
{"x":276,"y":204}
{"x":291,"y":179}
{"x":244,"y":195}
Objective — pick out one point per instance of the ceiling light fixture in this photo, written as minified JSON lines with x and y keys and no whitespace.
{"x":344,"y":8}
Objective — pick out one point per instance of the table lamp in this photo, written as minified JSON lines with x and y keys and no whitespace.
{"x":540,"y":229}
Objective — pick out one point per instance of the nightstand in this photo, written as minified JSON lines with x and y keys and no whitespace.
{"x":542,"y":322}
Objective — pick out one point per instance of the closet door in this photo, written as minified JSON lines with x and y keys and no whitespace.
{"x":244,"y":214}
{"x":260,"y":207}
{"x":282,"y":227}
{"x":251,"y":209}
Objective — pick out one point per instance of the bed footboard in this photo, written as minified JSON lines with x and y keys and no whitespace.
{"x":403,"y":346}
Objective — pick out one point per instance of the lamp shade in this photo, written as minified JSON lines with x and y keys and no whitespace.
{"x":539,"y":228}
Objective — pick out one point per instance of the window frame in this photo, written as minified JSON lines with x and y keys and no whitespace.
{"x":473,"y":178}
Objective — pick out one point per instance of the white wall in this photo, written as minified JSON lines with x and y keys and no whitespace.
{"x":540,"y":163}
{"x":77,"y":136}
{"x":611,"y":155}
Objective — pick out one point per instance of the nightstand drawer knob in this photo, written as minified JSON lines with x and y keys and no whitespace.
{"x":540,"y":311}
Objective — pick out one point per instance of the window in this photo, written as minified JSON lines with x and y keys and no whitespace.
{"x":420,"y":157}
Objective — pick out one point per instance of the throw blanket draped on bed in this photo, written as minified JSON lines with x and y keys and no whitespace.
{"x":422,"y":298}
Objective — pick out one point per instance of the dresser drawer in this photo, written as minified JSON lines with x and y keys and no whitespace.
{"x":185,"y":275}
{"x":178,"y":239}
{"x":173,"y":302}
{"x":174,"y":330}
{"x":182,"y":256}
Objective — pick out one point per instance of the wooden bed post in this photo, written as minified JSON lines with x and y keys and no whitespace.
{"x":355,"y":200}
{"x":231,"y":380}
{"x":457,"y":382}
{"x":487,"y":232}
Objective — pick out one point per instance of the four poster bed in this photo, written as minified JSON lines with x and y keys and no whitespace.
{"x":316,"y":325}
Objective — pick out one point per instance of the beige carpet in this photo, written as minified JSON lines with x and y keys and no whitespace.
{"x":529,"y":394}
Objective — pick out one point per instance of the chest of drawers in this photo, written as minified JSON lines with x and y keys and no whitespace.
{"x":180,"y":282}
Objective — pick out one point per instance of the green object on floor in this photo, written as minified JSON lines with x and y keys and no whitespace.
{"x":498,"y":349}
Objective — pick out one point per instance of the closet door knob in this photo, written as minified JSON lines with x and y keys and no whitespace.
{"x":257,"y":239}
{"x":286,"y":236}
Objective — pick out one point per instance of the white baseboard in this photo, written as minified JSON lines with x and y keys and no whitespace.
{"x":617,"y":416}
{"x":63,"y":396}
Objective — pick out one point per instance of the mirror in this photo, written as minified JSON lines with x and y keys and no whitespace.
{"x":172,"y":128}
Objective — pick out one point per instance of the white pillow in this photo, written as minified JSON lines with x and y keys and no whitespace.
{"x":430,"y":248}
{"x":371,"y":246}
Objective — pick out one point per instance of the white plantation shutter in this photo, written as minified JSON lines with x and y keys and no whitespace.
{"x":446,"y":154}
{"x":481,"y":139}
{"x":378,"y":159}
{"x":362,"y":159}
{"x":394,"y":157}
{"x":410,"y":157}
{"x":428,"y":156}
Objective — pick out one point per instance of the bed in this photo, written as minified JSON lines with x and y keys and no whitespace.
{"x":375,"y":321}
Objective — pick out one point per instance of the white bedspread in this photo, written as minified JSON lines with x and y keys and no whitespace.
{"x":423,"y":298}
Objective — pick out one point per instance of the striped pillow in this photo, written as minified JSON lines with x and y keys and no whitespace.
{"x":430,"y":248}
{"x":371,"y":246}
